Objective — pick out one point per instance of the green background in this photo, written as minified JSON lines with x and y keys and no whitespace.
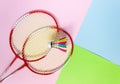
{"x":85,"y":67}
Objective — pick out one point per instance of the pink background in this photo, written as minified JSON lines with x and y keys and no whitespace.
{"x":69,"y":14}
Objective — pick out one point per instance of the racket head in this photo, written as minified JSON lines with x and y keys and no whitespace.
{"x":26,"y":24}
{"x":55,"y":59}
{"x":37,"y":45}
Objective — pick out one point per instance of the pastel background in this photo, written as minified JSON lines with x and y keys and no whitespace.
{"x":100,"y":31}
{"x":94,"y":27}
{"x":86,"y":67}
{"x":70,"y":15}
{"x":96,"y":60}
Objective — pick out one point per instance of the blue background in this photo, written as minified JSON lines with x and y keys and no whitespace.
{"x":100,"y":31}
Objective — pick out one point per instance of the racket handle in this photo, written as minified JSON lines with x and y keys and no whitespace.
{"x":21,"y":67}
{"x":7,"y":68}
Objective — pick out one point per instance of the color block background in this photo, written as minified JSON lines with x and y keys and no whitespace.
{"x":99,"y":34}
{"x":100,"y":31}
{"x":86,"y":67}
{"x":69,"y":14}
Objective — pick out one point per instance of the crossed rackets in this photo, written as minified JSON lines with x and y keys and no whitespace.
{"x":37,"y":40}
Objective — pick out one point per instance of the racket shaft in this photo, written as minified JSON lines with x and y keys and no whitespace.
{"x":7,"y":68}
{"x":22,"y":66}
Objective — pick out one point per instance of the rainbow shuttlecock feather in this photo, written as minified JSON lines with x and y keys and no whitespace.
{"x":60,"y":44}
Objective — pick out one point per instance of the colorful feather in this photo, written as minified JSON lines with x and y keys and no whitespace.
{"x":60,"y":44}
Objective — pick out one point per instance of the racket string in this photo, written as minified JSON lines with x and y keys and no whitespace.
{"x":37,"y":43}
{"x":34,"y":49}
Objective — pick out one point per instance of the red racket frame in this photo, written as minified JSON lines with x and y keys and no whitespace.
{"x":11,"y":46}
{"x":27,"y":41}
{"x":57,"y":68}
{"x":26,"y":64}
{"x":31,"y":12}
